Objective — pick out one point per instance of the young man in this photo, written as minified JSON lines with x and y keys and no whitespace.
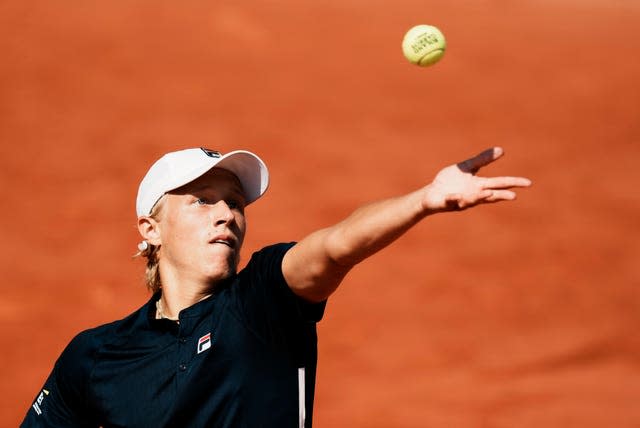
{"x":215,"y":347}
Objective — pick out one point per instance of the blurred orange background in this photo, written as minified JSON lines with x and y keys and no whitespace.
{"x":519,"y":314}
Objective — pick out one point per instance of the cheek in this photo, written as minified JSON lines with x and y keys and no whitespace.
{"x":242,"y":229}
{"x":182,"y":231}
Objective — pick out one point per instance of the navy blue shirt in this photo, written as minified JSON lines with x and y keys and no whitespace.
{"x":244,"y":357}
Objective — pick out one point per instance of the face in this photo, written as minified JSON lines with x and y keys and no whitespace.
{"x":201,"y":228}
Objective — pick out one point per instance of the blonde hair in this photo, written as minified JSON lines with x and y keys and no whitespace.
{"x":152,"y":271}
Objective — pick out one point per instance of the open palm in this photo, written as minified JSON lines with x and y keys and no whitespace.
{"x":457,"y":187}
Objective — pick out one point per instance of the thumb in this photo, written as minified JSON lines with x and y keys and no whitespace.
{"x":452,"y":201}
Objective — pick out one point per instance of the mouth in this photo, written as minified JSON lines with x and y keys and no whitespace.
{"x":224,"y":240}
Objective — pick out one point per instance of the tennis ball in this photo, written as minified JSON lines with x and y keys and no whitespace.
{"x":423,"y":45}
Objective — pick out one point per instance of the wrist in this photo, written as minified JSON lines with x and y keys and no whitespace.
{"x":431,"y":201}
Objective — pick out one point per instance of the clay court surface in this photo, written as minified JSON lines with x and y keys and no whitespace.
{"x":522,"y":314}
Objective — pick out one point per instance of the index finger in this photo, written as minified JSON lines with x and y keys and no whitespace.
{"x":505,"y":182}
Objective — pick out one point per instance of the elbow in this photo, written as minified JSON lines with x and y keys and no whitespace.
{"x":321,"y":282}
{"x":341,"y":254}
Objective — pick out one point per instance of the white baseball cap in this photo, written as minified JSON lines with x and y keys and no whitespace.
{"x":178,"y":168}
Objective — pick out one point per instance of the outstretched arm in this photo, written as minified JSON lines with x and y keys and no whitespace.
{"x":317,"y":264}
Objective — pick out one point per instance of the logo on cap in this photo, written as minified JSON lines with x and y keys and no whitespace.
{"x":211,"y":153}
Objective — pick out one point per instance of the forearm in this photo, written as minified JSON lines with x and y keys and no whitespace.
{"x":317,"y":264}
{"x":372,"y":227}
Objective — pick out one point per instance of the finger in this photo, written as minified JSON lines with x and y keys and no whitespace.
{"x":457,"y":201}
{"x":505,"y":182}
{"x":473,"y":164}
{"x":501,"y":195}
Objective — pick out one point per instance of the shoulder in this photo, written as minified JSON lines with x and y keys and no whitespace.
{"x":269,"y":258}
{"x":83,"y":348}
{"x":87,"y":341}
{"x":261,"y":289}
{"x":273,"y":251}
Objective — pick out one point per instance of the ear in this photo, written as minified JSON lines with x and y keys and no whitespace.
{"x":150,"y":230}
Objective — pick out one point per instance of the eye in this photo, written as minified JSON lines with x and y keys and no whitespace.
{"x":235,"y":204}
{"x":200,"y":201}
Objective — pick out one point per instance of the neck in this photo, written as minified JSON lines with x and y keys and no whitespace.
{"x":181,"y":293}
{"x":175,"y":299}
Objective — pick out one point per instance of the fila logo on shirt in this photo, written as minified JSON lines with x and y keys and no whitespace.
{"x":39,"y":400}
{"x":204,"y":343}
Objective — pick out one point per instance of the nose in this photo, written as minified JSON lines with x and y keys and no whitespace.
{"x":223,"y":214}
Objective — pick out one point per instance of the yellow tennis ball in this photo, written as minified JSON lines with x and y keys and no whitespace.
{"x":423,"y":45}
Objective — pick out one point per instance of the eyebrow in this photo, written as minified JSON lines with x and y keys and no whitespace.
{"x":236,"y":187}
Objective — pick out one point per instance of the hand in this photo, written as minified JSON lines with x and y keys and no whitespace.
{"x":457,"y":187}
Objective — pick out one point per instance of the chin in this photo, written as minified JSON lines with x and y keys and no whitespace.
{"x":221,"y":272}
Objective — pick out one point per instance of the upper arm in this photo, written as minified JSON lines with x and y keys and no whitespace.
{"x":309,"y":269}
{"x":61,"y":401}
{"x":51,"y":408}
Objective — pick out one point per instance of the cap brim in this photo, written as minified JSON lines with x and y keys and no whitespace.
{"x":250,"y":170}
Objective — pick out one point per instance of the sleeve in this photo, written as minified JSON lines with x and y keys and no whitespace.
{"x":62,"y":400}
{"x":266,"y":300}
